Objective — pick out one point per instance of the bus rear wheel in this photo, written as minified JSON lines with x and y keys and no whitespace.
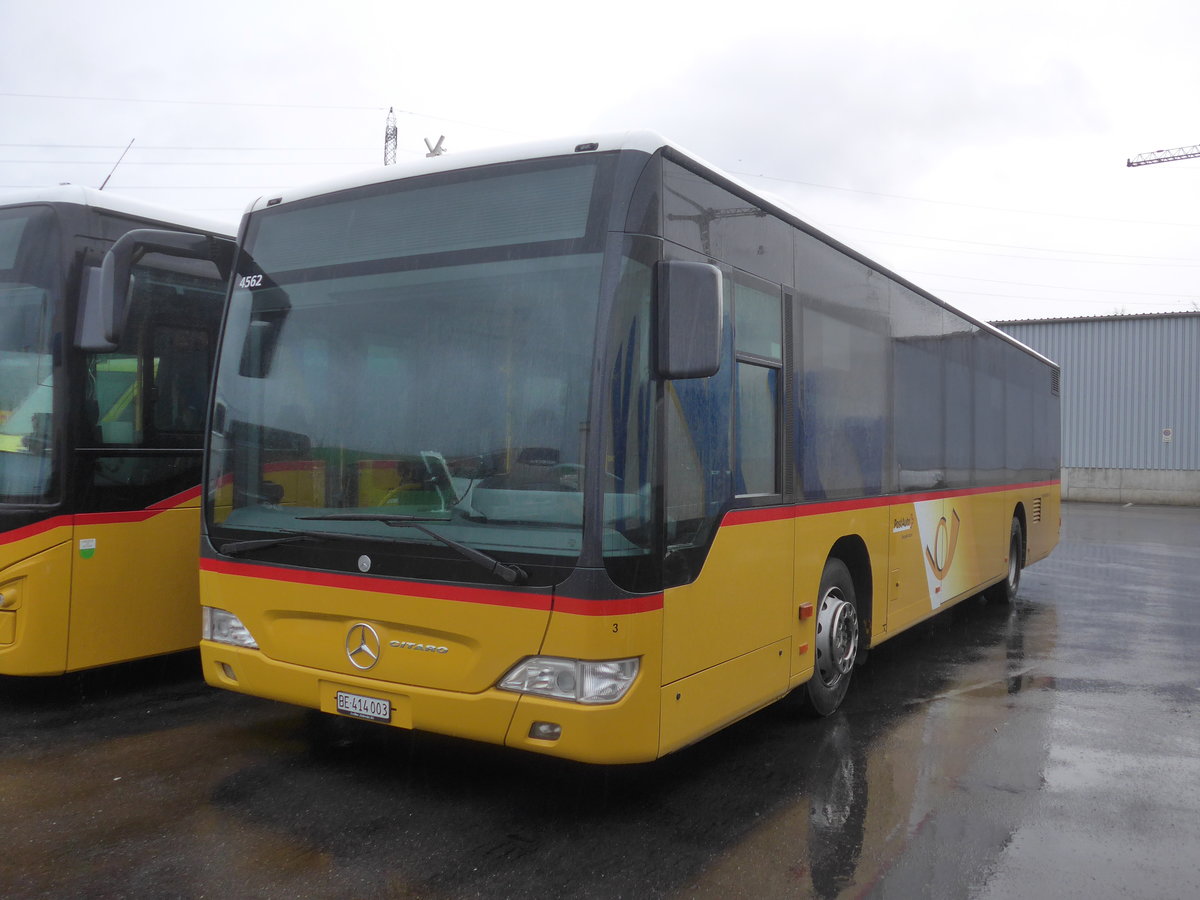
{"x":836,"y":642}
{"x":1006,"y":591}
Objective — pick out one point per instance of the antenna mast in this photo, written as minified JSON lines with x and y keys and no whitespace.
{"x":118,"y":162}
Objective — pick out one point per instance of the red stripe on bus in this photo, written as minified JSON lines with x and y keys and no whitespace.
{"x":99,"y":518}
{"x":515,"y":599}
{"x":625,"y":606}
{"x":821,"y":508}
{"x":179,"y":499}
{"x":28,"y":531}
{"x":574,"y":605}
{"x":519,"y":600}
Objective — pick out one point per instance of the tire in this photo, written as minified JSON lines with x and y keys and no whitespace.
{"x":836,"y":643}
{"x":1006,"y":591}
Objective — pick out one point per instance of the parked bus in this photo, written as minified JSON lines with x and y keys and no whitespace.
{"x":101,"y":435}
{"x":590,"y":450}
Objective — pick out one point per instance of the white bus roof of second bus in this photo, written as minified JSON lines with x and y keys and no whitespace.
{"x":84,"y":196}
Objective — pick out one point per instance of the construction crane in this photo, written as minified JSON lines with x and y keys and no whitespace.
{"x":390,"y":139}
{"x":1158,"y":156}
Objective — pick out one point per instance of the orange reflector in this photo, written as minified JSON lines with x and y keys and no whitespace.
{"x":806,"y":610}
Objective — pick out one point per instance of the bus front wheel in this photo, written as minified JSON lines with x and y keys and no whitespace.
{"x":836,"y":642}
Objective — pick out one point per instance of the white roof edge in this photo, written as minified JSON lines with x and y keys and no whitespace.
{"x":647,"y":141}
{"x":117,"y":203}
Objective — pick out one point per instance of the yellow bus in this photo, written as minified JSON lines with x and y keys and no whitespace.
{"x":587,"y":449}
{"x":101,"y":435}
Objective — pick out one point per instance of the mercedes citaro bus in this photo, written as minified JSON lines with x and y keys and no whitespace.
{"x":588,"y":449}
{"x":101,"y":433}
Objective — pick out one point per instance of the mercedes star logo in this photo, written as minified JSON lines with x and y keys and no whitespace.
{"x":362,"y":646}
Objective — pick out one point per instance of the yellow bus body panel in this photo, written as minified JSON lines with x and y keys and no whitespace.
{"x":100,"y":588}
{"x":696,"y":706}
{"x":740,"y":603}
{"x":136,"y":593}
{"x":35,"y":579}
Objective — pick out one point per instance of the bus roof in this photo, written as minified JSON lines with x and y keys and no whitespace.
{"x":646,"y":141}
{"x":78,"y":195}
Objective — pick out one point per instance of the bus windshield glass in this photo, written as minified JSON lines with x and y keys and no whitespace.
{"x":28,"y":286}
{"x":414,"y":352}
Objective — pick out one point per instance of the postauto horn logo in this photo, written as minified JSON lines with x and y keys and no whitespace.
{"x":945,"y":539}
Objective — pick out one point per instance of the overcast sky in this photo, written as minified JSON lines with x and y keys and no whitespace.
{"x":977,"y":149}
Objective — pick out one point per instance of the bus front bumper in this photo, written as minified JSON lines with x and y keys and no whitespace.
{"x":623,"y":732}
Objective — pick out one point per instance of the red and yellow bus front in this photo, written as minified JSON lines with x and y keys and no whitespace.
{"x":530,"y":668}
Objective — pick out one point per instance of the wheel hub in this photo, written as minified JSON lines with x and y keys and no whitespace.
{"x":837,"y":636}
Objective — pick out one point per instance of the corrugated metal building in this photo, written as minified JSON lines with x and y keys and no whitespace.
{"x":1130,"y":404}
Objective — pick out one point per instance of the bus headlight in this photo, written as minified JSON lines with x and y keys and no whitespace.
{"x":577,"y":680}
{"x":226,"y":628}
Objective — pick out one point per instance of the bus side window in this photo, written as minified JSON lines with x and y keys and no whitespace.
{"x":758,"y":325}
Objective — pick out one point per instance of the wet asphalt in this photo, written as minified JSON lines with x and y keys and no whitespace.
{"x":1047,"y":749}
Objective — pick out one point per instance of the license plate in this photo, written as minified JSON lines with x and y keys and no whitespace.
{"x":364,"y":707}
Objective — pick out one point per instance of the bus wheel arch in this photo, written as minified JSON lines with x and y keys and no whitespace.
{"x":1019,"y":516}
{"x":852,"y":551}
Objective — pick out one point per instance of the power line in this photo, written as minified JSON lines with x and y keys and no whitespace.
{"x":104,"y":162}
{"x":1184,"y":261}
{"x":1008,"y":209}
{"x":176,"y":102}
{"x":248,"y":104}
{"x":1080,"y":262}
{"x":145,"y":147}
{"x":1054,"y":287}
{"x":1126,"y":302}
{"x":184,"y":187}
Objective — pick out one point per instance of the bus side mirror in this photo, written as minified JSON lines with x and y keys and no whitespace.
{"x":690,"y":316}
{"x":112,"y":307}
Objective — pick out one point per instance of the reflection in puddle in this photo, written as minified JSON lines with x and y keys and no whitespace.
{"x":194,"y":792}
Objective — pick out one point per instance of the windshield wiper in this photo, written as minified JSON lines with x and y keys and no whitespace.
{"x":236,"y":548}
{"x":510,"y":574}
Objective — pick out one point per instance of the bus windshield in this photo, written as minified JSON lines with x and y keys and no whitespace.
{"x":28,"y":285}
{"x":414,"y":353}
